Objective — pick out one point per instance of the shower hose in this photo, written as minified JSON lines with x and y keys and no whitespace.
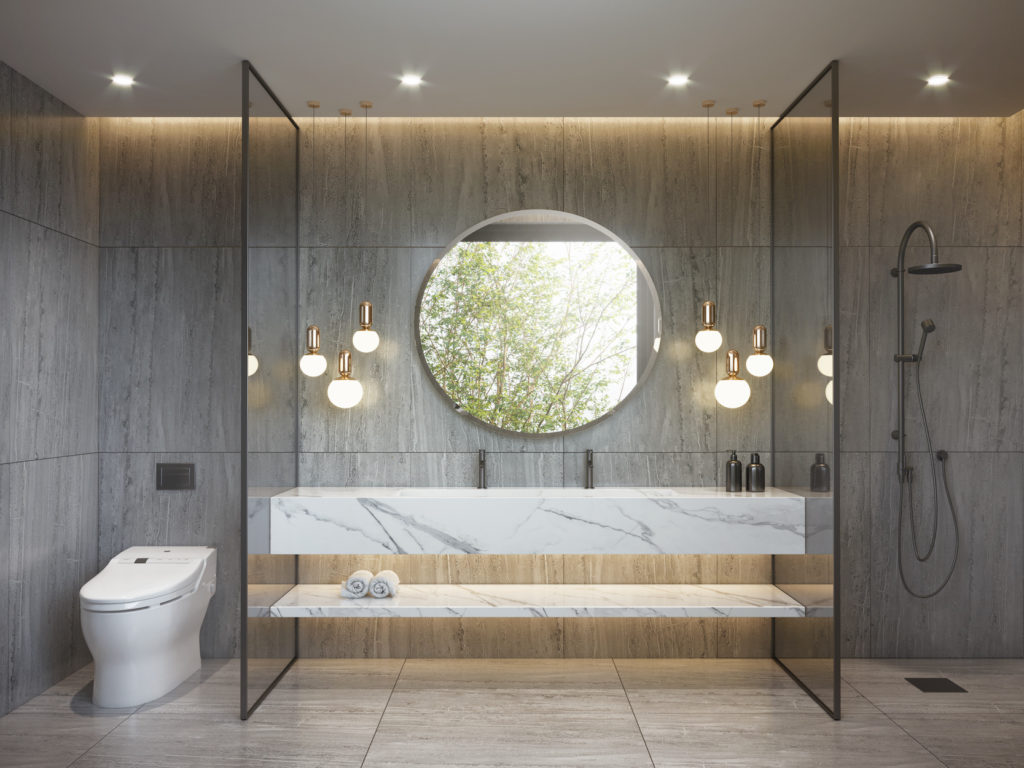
{"x":907,"y":482}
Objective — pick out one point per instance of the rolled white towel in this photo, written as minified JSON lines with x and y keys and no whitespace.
{"x":384,"y":584}
{"x":358,"y":584}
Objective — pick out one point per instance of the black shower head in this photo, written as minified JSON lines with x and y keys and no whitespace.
{"x":934,"y":268}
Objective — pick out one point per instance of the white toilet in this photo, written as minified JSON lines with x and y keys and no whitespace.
{"x":141,"y":617}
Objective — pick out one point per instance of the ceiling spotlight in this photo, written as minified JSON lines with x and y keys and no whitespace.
{"x":938,"y":80}
{"x":412,"y":81}
{"x":125,"y":81}
{"x":677,"y":80}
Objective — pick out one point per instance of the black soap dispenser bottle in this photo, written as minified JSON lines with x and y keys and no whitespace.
{"x":755,"y":474}
{"x":821,"y":475}
{"x":733,"y":474}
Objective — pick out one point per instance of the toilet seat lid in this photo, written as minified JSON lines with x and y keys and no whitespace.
{"x":127,"y":580}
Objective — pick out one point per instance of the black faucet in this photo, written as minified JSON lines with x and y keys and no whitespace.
{"x":589,"y":482}
{"x":481,"y":480}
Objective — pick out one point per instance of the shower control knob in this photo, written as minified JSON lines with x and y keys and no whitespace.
{"x":895,"y":434}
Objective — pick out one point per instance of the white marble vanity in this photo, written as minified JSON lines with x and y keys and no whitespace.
{"x":318,"y":520}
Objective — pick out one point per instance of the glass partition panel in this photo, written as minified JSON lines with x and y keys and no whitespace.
{"x":270,"y":249}
{"x":805,"y":388}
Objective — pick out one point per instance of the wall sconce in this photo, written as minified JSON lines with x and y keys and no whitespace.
{"x":708,"y":339}
{"x":344,"y":391}
{"x":312,"y":363}
{"x":253,"y":362}
{"x":825,"y":361}
{"x":365,"y":339}
{"x":760,"y":363}
{"x":732,"y":391}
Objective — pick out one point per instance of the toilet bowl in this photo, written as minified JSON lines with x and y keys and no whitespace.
{"x":141,"y":617}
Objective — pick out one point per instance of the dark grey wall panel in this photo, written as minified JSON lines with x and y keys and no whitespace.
{"x":53,"y":162}
{"x":613,"y":469}
{"x":134,"y":513}
{"x":48,"y":334}
{"x":963,"y":176}
{"x":167,"y":322}
{"x":743,"y":190}
{"x":652,"y":182}
{"x":53,"y":551}
{"x":6,"y":576}
{"x":169,"y":182}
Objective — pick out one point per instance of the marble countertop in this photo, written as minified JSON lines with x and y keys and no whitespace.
{"x":536,"y":521}
{"x":542,"y":600}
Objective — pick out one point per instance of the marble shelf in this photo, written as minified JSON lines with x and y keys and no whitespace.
{"x":317,"y":521}
{"x":817,"y":599}
{"x":541,"y":600}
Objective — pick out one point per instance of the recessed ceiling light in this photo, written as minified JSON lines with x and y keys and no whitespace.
{"x":125,"y":81}
{"x":938,"y":80}
{"x":677,"y":80}
{"x":412,"y":80}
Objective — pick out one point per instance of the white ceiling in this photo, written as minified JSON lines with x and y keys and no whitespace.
{"x":520,"y":57}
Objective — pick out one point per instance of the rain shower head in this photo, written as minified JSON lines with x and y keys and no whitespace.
{"x":934,"y":268}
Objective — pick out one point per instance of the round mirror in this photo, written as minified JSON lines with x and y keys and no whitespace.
{"x":538,"y":322}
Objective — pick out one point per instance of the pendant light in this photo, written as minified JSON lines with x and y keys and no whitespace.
{"x":825,"y":361}
{"x":365,"y":339}
{"x":828,"y":392}
{"x":344,"y":391}
{"x":708,"y":339}
{"x":732,"y":391}
{"x":312,"y":363}
{"x":252,"y":362}
{"x":760,"y":363}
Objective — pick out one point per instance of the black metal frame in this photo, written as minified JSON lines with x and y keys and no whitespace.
{"x":247,"y":71}
{"x":831,"y":70}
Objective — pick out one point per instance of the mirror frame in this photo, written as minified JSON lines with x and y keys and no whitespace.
{"x":573,"y":219}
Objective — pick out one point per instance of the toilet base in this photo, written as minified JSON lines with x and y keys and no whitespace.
{"x":122,"y":683}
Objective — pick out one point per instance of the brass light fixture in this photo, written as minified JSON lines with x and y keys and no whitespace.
{"x":760,"y":363}
{"x":312,"y":363}
{"x":365,"y":339}
{"x":732,"y":391}
{"x":708,"y":339}
{"x":344,"y":391}
{"x":252,"y":362}
{"x":825,"y":360}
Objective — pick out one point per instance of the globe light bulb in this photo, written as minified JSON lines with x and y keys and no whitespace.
{"x":759,"y":364}
{"x":732,"y":391}
{"x":345,"y":393}
{"x":828,"y":392}
{"x":708,"y":339}
{"x":825,"y":364}
{"x":253,"y":364}
{"x":312,"y":363}
{"x":365,"y":341}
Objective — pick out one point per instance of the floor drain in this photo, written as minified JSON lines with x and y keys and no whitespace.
{"x":935,"y":685}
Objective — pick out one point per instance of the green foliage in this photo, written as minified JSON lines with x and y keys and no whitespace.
{"x":533,"y":337}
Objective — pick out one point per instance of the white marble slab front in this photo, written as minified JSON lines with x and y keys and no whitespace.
{"x":605,"y":521}
{"x":541,"y":600}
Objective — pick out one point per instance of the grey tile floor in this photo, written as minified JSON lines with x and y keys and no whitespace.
{"x":509,"y":712}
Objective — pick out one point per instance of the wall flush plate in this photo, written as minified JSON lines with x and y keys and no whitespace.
{"x":175,"y":477}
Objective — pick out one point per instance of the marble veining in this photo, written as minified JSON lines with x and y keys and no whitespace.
{"x":540,"y":601}
{"x":535,"y":521}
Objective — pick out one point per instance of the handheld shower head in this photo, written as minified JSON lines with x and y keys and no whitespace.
{"x":927,"y":326}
